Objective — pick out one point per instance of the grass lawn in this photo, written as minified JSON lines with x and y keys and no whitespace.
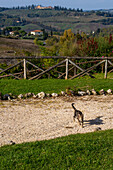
{"x":80,"y":151}
{"x":54,"y":85}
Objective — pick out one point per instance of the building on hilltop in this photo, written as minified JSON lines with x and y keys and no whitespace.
{"x":41,"y":7}
{"x":37,"y":32}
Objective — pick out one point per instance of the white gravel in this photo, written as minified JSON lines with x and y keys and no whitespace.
{"x":36,"y":119}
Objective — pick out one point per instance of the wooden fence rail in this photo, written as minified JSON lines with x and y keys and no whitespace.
{"x":56,"y":57}
{"x":66,"y":61}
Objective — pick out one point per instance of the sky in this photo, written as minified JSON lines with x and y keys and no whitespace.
{"x":84,"y":4}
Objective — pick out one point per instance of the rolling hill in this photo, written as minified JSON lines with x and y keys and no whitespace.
{"x":56,"y":20}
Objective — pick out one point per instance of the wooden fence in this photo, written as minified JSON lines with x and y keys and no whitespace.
{"x":70,"y":63}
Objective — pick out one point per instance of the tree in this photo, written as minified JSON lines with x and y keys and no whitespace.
{"x":78,"y":36}
{"x":16,"y":28}
{"x":22,"y":33}
{"x":45,"y":34}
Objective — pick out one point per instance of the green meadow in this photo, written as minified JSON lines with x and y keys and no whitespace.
{"x":81,"y":151}
{"x":55,"y":85}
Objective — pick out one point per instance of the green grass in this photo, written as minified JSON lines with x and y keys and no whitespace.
{"x":30,"y":27}
{"x":54,"y":85}
{"x":81,"y":151}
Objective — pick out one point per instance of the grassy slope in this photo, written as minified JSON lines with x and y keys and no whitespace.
{"x":53,"y":85}
{"x":81,"y":151}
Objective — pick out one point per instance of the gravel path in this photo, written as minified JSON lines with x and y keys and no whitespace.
{"x":36,"y":119}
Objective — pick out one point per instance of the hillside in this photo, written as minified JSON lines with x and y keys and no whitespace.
{"x":55,"y":20}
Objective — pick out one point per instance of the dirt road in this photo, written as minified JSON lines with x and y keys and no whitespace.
{"x":36,"y":119}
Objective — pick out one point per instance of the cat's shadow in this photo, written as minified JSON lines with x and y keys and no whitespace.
{"x":96,"y":121}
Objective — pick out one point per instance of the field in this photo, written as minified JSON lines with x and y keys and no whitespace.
{"x":55,"y":20}
{"x":17,"y":47}
{"x":37,"y":121}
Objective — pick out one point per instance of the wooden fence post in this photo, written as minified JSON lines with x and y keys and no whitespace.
{"x":75,"y":71}
{"x":106,"y":65}
{"x":25,"y":70}
{"x":67,"y":65}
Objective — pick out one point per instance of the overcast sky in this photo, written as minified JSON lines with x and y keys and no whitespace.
{"x":84,"y":4}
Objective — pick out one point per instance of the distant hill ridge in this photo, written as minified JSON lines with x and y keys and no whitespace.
{"x":57,"y":19}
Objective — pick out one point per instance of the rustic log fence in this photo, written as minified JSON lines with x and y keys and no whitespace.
{"x":66,"y":62}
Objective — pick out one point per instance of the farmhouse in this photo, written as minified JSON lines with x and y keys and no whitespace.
{"x":12,"y":32}
{"x":41,"y":7}
{"x":37,"y":32}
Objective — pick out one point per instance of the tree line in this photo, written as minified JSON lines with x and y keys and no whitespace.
{"x":80,"y":44}
{"x":34,"y":6}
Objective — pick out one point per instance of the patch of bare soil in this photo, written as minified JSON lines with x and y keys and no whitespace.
{"x":12,"y":47}
{"x":36,"y":119}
